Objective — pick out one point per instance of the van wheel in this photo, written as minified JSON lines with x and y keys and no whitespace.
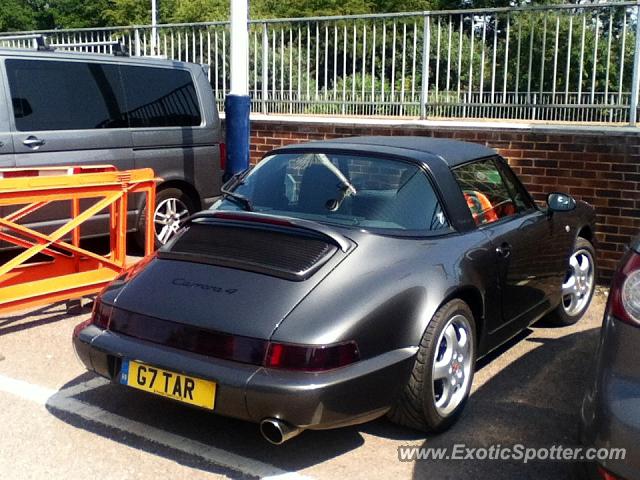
{"x":173,"y":206}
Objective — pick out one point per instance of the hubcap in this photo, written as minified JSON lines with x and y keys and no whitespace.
{"x":168,"y":218}
{"x":578,"y":286}
{"x":452,"y":365}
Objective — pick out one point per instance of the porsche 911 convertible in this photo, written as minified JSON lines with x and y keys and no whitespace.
{"x":342,"y":280}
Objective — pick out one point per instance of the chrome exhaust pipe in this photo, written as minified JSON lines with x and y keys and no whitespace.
{"x":276,"y":431}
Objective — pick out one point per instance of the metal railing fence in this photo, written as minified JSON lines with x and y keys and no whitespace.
{"x":561,"y":63}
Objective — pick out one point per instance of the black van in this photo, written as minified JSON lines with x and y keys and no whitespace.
{"x":65,"y":108}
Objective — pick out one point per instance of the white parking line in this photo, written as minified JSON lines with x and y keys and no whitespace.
{"x":83,"y":387}
{"x":62,"y":400}
{"x":28,"y":391}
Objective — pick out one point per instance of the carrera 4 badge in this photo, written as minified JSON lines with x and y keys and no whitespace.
{"x":183,"y":282}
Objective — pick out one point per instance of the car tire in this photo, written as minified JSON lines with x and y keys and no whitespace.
{"x":420,"y":404}
{"x":584,"y":277}
{"x":166,"y":197}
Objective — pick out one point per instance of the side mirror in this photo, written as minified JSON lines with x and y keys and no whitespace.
{"x":560,"y":202}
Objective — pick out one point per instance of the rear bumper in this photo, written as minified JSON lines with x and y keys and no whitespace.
{"x":340,"y":397}
{"x":611,"y":411}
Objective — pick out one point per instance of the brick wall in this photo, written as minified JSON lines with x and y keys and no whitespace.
{"x":600,"y":166}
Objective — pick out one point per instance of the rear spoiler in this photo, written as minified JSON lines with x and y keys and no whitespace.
{"x":326,"y":231}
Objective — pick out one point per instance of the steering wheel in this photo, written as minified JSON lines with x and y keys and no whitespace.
{"x":481,"y":208}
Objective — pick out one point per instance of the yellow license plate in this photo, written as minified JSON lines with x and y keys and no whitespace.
{"x":178,"y":386}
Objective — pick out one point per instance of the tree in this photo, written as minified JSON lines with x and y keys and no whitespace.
{"x":127,"y":12}
{"x":78,"y":13}
{"x":308,"y":8}
{"x":23,"y":15}
{"x":384,"y":6}
{"x":184,"y":11}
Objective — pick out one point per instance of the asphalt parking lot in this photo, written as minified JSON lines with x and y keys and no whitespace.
{"x":60,"y":422}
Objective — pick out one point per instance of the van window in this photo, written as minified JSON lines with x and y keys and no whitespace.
{"x":160,"y":97}
{"x":58,"y":95}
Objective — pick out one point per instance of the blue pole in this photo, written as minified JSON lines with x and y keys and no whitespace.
{"x":238,"y":104}
{"x":237,"y":108}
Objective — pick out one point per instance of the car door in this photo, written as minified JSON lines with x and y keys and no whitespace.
{"x":67,"y":112}
{"x":518,"y":231}
{"x":552,"y":240}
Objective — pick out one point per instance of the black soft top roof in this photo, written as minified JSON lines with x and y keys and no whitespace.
{"x":453,"y":152}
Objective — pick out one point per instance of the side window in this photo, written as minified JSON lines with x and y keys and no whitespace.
{"x":160,"y":97}
{"x":485,"y":191}
{"x":520,"y":196}
{"x":58,"y":95}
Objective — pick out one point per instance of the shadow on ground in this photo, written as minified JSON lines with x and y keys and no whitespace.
{"x":33,"y":318}
{"x":238,"y":437}
{"x":534,"y":402}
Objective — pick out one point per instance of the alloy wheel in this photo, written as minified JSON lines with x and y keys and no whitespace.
{"x":452,"y":365}
{"x":579,"y":283}
{"x":168,"y":218}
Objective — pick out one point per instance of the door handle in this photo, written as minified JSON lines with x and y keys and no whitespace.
{"x":33,"y":142}
{"x":504,"y":250}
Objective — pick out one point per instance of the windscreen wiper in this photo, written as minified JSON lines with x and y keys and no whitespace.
{"x":241,"y":200}
{"x":228,"y":193}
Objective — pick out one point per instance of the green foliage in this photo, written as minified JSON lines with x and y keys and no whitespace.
{"x":127,"y":12}
{"x":358,"y":84}
{"x":307,"y":8}
{"x":23,"y":15}
{"x":185,"y":11}
{"x":77,"y":13}
{"x":406,"y":5}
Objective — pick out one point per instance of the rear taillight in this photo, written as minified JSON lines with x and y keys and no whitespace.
{"x":223,"y":156}
{"x":253,"y":351}
{"x":311,"y":358}
{"x":624,"y":297}
{"x":606,"y":474}
{"x":101,"y":314}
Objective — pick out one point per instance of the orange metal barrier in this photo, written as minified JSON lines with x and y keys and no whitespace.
{"x":48,"y":268}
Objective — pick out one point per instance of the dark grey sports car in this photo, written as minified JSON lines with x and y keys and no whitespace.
{"x":339,"y":281}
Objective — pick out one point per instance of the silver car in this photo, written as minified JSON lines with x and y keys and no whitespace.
{"x":611,"y":407}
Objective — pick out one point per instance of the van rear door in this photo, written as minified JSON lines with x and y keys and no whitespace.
{"x":68,"y":112}
{"x":175,"y":126}
{"x":7,"y":159}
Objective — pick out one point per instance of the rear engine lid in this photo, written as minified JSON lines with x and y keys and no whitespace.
{"x":231,"y":278}
{"x":280,"y":253}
